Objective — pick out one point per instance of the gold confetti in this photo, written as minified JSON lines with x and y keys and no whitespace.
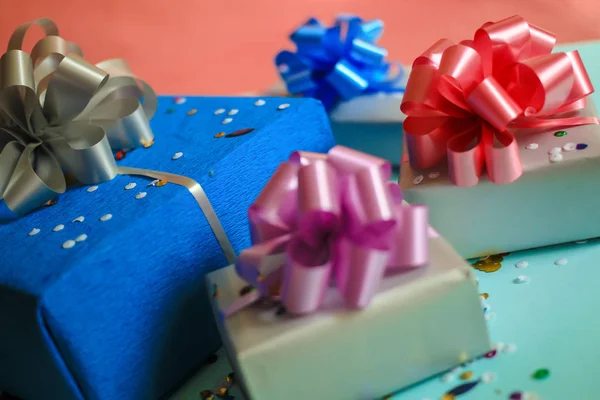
{"x":466,"y":375}
{"x":51,"y":202}
{"x":485,"y":295}
{"x":489,"y":264}
{"x":147,"y":143}
{"x":220,"y":134}
{"x":192,"y":111}
{"x":448,"y":396}
{"x":161,"y":183}
{"x":462,"y":357}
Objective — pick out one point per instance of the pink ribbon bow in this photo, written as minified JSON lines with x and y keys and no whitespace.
{"x":462,"y":99}
{"x":331,"y":215}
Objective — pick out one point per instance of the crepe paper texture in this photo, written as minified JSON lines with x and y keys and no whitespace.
{"x":419,"y":324}
{"x":122,"y":312}
{"x":552,"y":202}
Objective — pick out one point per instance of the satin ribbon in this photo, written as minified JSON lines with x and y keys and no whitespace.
{"x":463,"y":100}
{"x":61,"y":115}
{"x":331,"y":216}
{"x":339,"y":62}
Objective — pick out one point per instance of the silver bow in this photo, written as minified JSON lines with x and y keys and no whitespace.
{"x":61,"y":115}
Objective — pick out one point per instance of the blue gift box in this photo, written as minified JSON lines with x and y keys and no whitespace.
{"x":124,"y":313}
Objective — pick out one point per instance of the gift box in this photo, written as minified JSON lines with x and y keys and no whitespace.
{"x":495,"y":169}
{"x":349,"y":74}
{"x":376,"y":331}
{"x":102,"y":291}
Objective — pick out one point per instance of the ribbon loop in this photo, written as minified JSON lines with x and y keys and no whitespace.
{"x":337,"y":63}
{"x":63,"y":114}
{"x":464,"y":99}
{"x":347,"y":220}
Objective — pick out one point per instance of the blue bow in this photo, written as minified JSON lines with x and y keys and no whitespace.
{"x":337,"y":63}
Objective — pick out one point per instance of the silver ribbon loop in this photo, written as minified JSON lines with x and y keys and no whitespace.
{"x":60,"y":114}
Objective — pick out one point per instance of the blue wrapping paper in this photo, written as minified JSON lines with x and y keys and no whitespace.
{"x":124,"y":314}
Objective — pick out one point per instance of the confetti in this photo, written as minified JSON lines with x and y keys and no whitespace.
{"x":447,"y":378}
{"x":170,"y":110}
{"x":92,"y":189}
{"x":81,"y":238}
{"x":522,"y":264}
{"x":81,"y":218}
{"x":211,"y":173}
{"x":147,"y":143}
{"x":68,"y":244}
{"x":489,"y":264}
{"x":240,"y":132}
{"x":484,"y":295}
{"x":556,"y":158}
{"x":581,"y":241}
{"x":161,"y":183}
{"x":462,"y":389}
{"x":120,"y":155}
{"x":448,"y":396}
{"x":192,"y":111}
{"x":50,"y":202}
{"x":581,"y":146}
{"x":487,"y":308}
{"x":531,"y":396}
{"x":532,"y":146}
{"x":226,"y":121}
{"x":220,"y":134}
{"x":491,"y":354}
{"x":560,"y":133}
{"x":463,"y":356}
{"x":555,"y":150}
{"x":58,"y":228}
{"x":516,"y":396}
{"x":34,"y":232}
{"x":153,"y":183}
{"x":569,"y":147}
{"x":179,"y":100}
{"x":561,"y":261}
{"x":220,"y":111}
{"x":434,"y":175}
{"x":522,"y":279}
{"x":233,"y":112}
{"x":177,"y":155}
{"x":106,"y":217}
{"x":509,"y":348}
{"x":465,"y":376}
{"x":418,"y":179}
{"x":140,"y":195}
{"x":260,"y":102}
{"x":130,"y":186}
{"x":283,"y":106}
{"x":488,"y":377}
{"x":541,"y":374}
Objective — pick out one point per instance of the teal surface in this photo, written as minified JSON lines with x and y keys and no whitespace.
{"x":549,"y":322}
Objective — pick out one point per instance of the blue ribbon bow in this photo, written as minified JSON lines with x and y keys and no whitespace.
{"x":339,"y":62}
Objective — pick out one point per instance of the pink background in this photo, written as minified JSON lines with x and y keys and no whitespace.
{"x":227,"y":46}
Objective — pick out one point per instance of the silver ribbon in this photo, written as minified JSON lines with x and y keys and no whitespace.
{"x":60,"y":116}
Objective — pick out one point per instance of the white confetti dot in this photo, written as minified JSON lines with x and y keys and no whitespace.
{"x":532,"y":146}
{"x":555,"y":158}
{"x":531,"y":396}
{"x":570,"y":146}
{"x":227,"y":120}
{"x":522,"y":279}
{"x":522,"y":264}
{"x":180,"y":100}
{"x":58,"y":228}
{"x":284,"y":68}
{"x":92,"y":189}
{"x":555,"y":150}
{"x":283,"y":106}
{"x":140,"y":195}
{"x":418,"y":179}
{"x":499,"y":346}
{"x":177,"y":155}
{"x":68,"y":244}
{"x":81,"y":218}
{"x":34,"y":232}
{"x":130,"y":186}
{"x":447,"y":377}
{"x":434,"y":175}
{"x":106,"y":217}
{"x":509,"y":348}
{"x":260,"y":102}
{"x":233,"y":112}
{"x":81,"y":238}
{"x":561,"y":261}
{"x":488,"y":377}
{"x":154,"y":182}
{"x":490,"y":316}
{"x":220,"y":111}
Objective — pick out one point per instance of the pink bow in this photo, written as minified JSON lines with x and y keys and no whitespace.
{"x":461,"y":100}
{"x":331,"y":215}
